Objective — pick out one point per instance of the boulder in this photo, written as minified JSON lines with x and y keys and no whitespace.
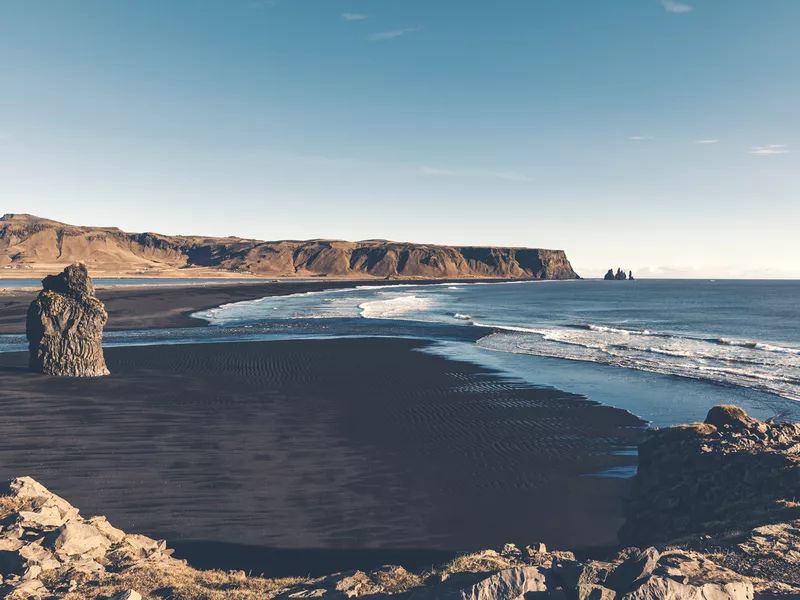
{"x":508,"y":584}
{"x":730,"y":472}
{"x":127,"y":595}
{"x":78,"y":539}
{"x":65,"y":326}
{"x":637,"y":566}
{"x":663,"y":588}
{"x":726,"y":415}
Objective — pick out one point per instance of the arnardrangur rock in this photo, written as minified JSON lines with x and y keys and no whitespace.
{"x":65,"y":326}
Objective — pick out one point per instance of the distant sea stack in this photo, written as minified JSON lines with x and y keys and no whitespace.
{"x":27,"y":241}
{"x":619,"y":276}
{"x":65,"y":326}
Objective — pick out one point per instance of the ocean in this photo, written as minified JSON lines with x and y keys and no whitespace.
{"x":735,"y":341}
{"x":666,"y":350}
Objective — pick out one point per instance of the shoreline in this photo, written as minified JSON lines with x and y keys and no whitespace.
{"x":168,"y":306}
{"x":364,"y":447}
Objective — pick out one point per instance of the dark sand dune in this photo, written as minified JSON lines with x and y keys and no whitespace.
{"x":311,"y":446}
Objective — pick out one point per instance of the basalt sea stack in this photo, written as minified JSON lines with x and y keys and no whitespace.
{"x":65,"y":326}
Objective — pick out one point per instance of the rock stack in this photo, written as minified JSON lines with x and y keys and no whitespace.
{"x":65,"y":326}
{"x":732,"y":471}
{"x":618,"y":276}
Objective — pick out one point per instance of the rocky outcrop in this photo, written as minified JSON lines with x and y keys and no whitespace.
{"x":44,"y":539}
{"x":65,"y":326}
{"x":730,"y":471}
{"x":47,"y":550}
{"x":618,"y":276}
{"x":26,"y":240}
{"x":724,"y":474}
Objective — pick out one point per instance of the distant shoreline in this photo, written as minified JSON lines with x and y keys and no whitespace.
{"x":166,"y":306}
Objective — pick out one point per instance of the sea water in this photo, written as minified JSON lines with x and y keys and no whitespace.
{"x":688,"y":343}
{"x":667,"y":350}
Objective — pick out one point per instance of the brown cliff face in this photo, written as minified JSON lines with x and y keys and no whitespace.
{"x":26,"y":240}
{"x":65,"y":326}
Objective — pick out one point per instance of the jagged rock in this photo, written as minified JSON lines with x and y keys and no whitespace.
{"x":618,"y":276}
{"x":31,"y":589}
{"x":65,"y":326}
{"x":633,"y":569}
{"x":127,"y":595}
{"x":726,"y":415}
{"x":509,"y":584}
{"x":661,"y":588}
{"x":88,"y":552}
{"x":82,"y":539}
{"x":630,"y":276}
{"x":103,"y":526}
{"x":731,"y":471}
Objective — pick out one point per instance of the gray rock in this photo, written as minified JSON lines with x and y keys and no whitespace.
{"x":662,"y":588}
{"x":78,"y":539}
{"x":65,"y":326}
{"x":127,"y":595}
{"x":637,"y":566}
{"x":508,"y":584}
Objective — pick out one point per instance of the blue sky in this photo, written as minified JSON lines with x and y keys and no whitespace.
{"x":648,"y":134}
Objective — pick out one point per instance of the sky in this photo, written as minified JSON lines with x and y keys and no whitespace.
{"x":653,"y":135}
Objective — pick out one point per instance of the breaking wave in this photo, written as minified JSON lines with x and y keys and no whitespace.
{"x":758,"y":366}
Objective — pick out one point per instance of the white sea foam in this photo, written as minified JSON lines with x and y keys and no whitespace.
{"x":462,"y":317}
{"x":394,"y":308}
{"x":731,"y":362}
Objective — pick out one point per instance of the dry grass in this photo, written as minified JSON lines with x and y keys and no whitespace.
{"x":10,"y":505}
{"x":176,"y":581}
{"x":480,"y":562}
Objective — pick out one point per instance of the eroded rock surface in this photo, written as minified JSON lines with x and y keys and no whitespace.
{"x":44,"y":539}
{"x":65,"y":326}
{"x":732,"y":471}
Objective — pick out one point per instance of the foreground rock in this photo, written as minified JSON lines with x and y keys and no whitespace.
{"x":713,"y":497}
{"x":47,"y":550}
{"x":65,"y":326}
{"x":730,"y":472}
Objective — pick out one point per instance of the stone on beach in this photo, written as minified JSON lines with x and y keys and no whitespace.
{"x":65,"y":326}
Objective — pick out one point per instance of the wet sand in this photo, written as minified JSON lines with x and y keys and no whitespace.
{"x":312,"y":456}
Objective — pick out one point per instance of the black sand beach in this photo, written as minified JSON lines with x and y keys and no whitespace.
{"x":163,"y":306}
{"x":153,"y":306}
{"x":312,"y":456}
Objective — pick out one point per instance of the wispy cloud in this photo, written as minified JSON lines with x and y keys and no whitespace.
{"x":770,"y":149}
{"x":641,"y":138}
{"x":354,"y":16}
{"x":506,"y":175}
{"x":389,"y":35}
{"x":676,"y":7}
{"x":707,"y":142}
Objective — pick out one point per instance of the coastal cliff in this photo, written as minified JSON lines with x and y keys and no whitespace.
{"x":48,"y":550}
{"x":29,"y":242}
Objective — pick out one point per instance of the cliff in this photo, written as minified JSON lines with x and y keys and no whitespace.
{"x":27,"y":241}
